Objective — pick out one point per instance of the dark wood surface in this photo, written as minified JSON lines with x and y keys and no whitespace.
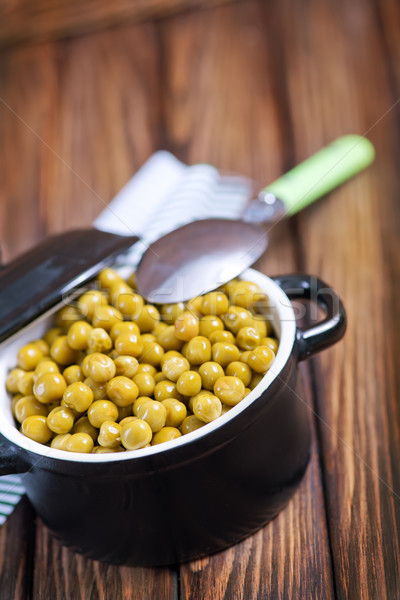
{"x":45,"y":20}
{"x":252,"y":87}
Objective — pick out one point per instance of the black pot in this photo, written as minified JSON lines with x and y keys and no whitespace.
{"x":198,"y":494}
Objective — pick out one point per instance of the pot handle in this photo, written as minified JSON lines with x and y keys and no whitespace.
{"x":11,"y":461}
{"x":328,"y":331}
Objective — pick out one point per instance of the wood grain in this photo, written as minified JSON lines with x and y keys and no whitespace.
{"x":89,"y":124}
{"x":45,"y":20}
{"x":358,"y":423}
{"x":16,"y":553}
{"x":220,"y":92}
{"x":64,"y":574}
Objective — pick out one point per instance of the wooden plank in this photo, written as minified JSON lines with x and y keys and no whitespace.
{"x":351,"y":240}
{"x":23,"y":123}
{"x":62,"y":574}
{"x":22,"y":20}
{"x":387,"y":21}
{"x":225,"y":104}
{"x":16,"y":553}
{"x":104,"y":122}
{"x":77,"y":120}
{"x":219,"y":104}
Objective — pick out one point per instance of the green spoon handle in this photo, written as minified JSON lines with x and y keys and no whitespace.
{"x":322,"y":172}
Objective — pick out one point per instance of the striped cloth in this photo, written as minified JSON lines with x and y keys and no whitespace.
{"x":11,"y":491}
{"x":163,"y":195}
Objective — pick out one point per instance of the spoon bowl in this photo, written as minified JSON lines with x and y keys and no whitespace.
{"x":205,"y":254}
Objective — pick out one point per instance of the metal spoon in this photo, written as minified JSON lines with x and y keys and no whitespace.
{"x":205,"y":254}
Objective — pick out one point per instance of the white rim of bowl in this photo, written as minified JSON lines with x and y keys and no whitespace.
{"x":286,"y":321}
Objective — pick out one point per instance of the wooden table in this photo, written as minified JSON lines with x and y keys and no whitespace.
{"x":252,"y":87}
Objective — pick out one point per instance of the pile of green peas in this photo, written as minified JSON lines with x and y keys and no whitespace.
{"x":115,"y":373}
